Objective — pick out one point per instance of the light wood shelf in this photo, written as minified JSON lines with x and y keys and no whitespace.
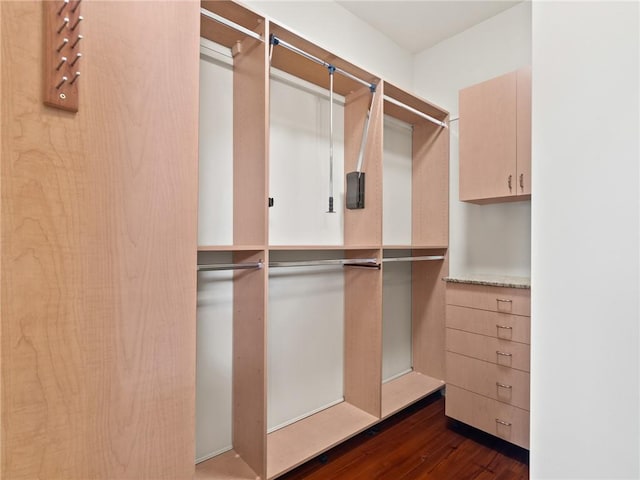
{"x":406,"y":390}
{"x":227,"y":466}
{"x":413,"y":101}
{"x":222,"y":34}
{"x":310,"y":71}
{"x":323,"y":247}
{"x":414,"y":247}
{"x":230,"y":248}
{"x":295,"y":444}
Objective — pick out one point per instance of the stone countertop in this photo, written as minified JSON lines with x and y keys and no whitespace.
{"x":490,"y":280}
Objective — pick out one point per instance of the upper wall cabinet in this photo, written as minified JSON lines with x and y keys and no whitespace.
{"x":495,"y":139}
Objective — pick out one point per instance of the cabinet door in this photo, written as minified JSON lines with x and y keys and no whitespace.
{"x":488,"y":139}
{"x":523,"y":125}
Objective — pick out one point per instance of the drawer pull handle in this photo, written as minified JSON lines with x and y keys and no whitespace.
{"x":502,"y":385}
{"x":502,"y":422}
{"x":504,"y":300}
{"x":504,"y":327}
{"x":504,"y":354}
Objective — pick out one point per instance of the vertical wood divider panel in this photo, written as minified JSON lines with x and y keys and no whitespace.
{"x":249,"y":361}
{"x":430,"y":185}
{"x":364,"y":226}
{"x":98,"y":252}
{"x":363,"y":335}
{"x":250,"y":140}
{"x":428,"y":314}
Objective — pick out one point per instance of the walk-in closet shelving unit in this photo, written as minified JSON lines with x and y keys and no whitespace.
{"x":366,"y":400}
{"x":249,"y":225}
{"x":429,"y":226}
{"x":292,"y":445}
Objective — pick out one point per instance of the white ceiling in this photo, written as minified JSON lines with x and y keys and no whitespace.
{"x":417,"y":25}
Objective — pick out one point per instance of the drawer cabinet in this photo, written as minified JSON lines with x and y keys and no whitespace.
{"x":488,"y":359}
{"x":489,"y":349}
{"x":493,"y":381}
{"x":492,"y":324}
{"x":516,"y":301}
{"x":492,"y":416}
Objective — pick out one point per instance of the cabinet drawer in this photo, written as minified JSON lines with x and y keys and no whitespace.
{"x":516,"y":328}
{"x":494,"y":350}
{"x":504,"y":384}
{"x":516,"y":301}
{"x":497,"y":418}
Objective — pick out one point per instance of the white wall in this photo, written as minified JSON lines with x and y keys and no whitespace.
{"x":337,"y":30}
{"x":299,"y":164}
{"x":215,"y":137}
{"x":585,"y":224}
{"x":487,"y":238}
{"x":305,"y":331}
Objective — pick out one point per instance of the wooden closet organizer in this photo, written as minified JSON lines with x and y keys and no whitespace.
{"x":367,"y":401}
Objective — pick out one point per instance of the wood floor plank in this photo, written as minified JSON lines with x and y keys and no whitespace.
{"x":419,"y":443}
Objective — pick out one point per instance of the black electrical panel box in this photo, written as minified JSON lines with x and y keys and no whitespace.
{"x":355,"y":190}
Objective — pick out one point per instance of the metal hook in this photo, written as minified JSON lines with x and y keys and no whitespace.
{"x":64,"y":42}
{"x":64,"y":5}
{"x":65,"y":22}
{"x":64,"y":79}
{"x":62,"y":61}
{"x":80,"y":37}
{"x":75,"y":60}
{"x":75,"y":25}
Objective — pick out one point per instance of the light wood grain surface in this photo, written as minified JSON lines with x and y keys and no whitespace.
{"x":504,"y":384}
{"x":512,"y":354}
{"x":310,"y":71}
{"x":516,"y":328}
{"x":430,"y":185}
{"x":227,"y":466}
{"x":428,"y":314}
{"x":413,"y":101}
{"x":482,"y":412}
{"x":250,"y":142}
{"x":303,"y":440}
{"x":523,"y":125}
{"x":364,"y":226}
{"x":406,"y":390}
{"x":99,"y":248}
{"x":234,"y":12}
{"x":249,"y":361}
{"x":363,"y":335}
{"x":516,"y":301}
{"x":488,"y":139}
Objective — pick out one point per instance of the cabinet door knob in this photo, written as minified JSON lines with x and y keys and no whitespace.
{"x":522,"y":182}
{"x":509,"y":181}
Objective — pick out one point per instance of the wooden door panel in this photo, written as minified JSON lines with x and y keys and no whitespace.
{"x":488,"y":139}
{"x":523,"y":125}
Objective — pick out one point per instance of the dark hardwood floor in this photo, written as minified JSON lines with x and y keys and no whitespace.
{"x":419,"y":443}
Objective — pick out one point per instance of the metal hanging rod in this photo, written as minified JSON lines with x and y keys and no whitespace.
{"x":276,"y":41}
{"x":347,"y":262}
{"x":417,"y":112}
{"x":413,"y":259}
{"x":224,"y":21}
{"x":230,"y":266}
